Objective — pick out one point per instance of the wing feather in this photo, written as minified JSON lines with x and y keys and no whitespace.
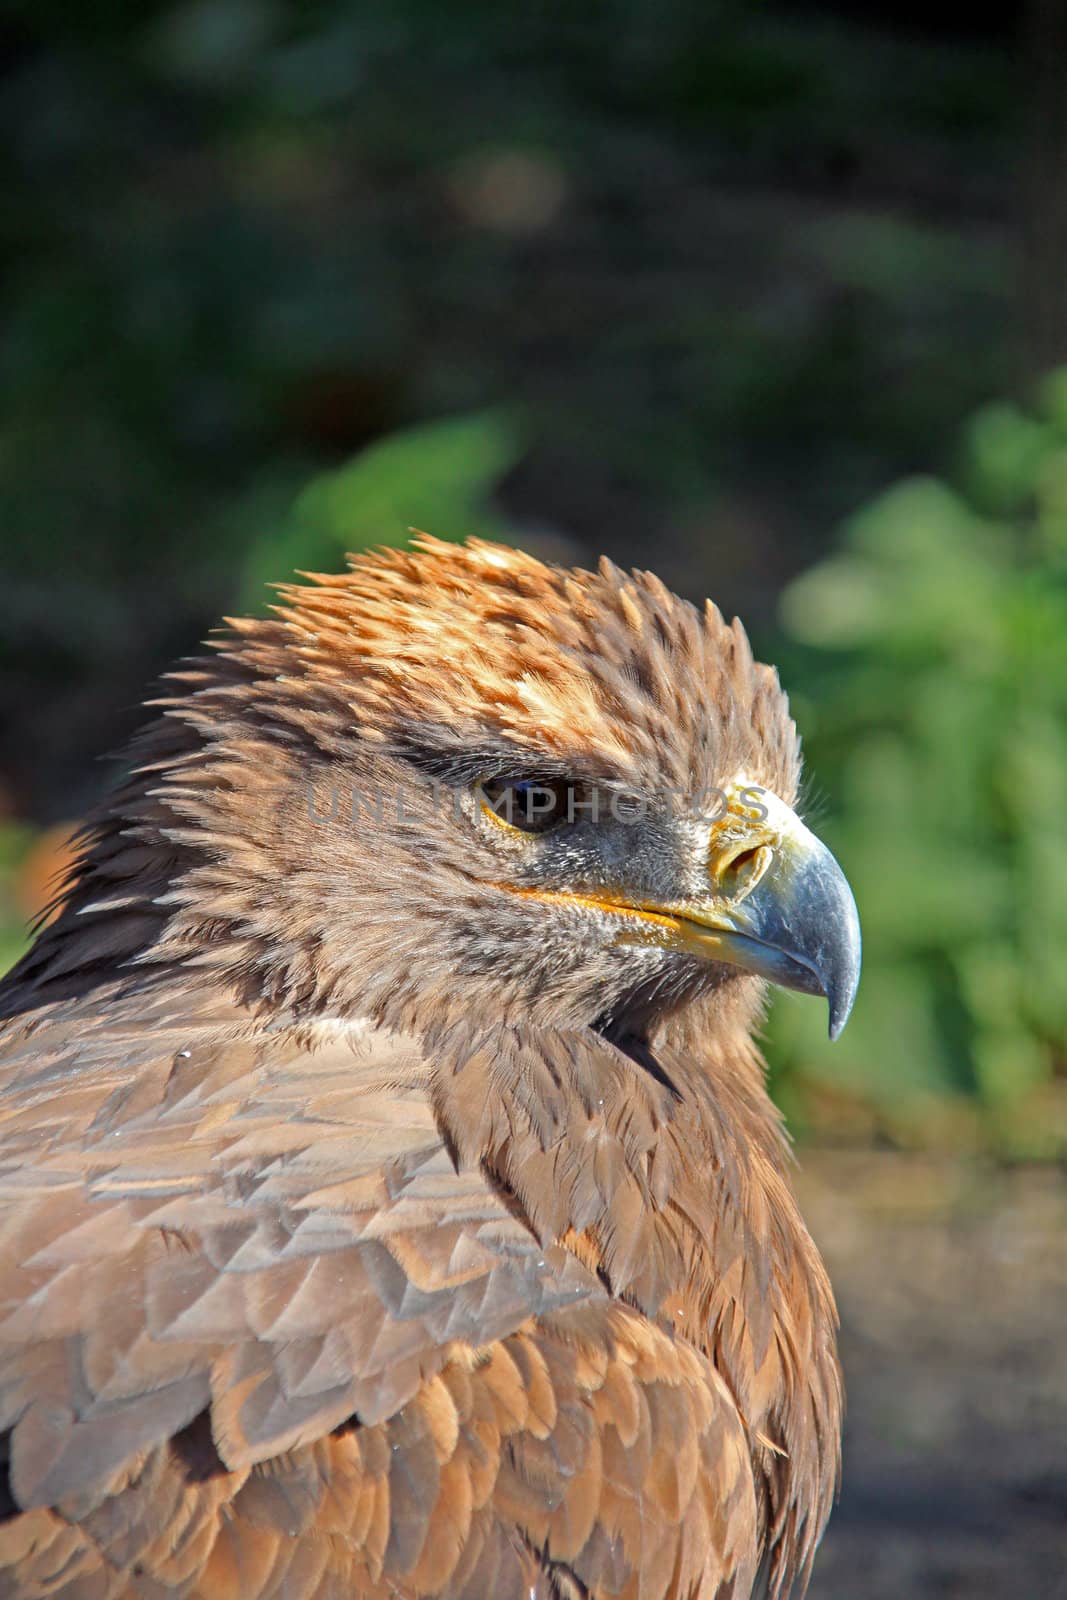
{"x":259,"y":1337}
{"x":253,"y":1222}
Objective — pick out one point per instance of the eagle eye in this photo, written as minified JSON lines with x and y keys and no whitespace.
{"x":535,"y":804}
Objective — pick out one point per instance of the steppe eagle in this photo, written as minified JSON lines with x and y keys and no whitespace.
{"x":391,"y":1204}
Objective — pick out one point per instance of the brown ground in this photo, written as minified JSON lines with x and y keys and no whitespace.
{"x":952,"y":1284}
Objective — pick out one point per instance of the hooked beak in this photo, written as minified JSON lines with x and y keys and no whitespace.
{"x":781,"y":907}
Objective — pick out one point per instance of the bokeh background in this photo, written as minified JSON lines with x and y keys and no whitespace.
{"x":771,"y":298}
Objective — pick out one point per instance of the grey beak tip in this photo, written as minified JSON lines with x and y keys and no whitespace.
{"x":841,"y":945}
{"x":841,"y":991}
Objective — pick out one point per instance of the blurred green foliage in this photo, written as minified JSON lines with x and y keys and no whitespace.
{"x":928,"y":661}
{"x":437,"y":477}
{"x":16,"y":843}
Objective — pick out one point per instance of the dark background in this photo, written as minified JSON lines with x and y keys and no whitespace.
{"x":770,"y":298}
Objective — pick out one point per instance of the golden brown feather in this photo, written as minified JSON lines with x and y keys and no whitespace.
{"x":390,"y":1201}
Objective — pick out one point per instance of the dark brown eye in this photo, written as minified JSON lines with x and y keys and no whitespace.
{"x":535,"y":804}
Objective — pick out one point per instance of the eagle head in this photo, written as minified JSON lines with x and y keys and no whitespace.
{"x":455,"y":780}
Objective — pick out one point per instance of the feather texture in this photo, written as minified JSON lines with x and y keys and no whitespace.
{"x":345,"y":1250}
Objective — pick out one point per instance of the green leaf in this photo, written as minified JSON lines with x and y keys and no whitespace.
{"x":936,"y":654}
{"x":438,"y":477}
{"x":1005,"y":451}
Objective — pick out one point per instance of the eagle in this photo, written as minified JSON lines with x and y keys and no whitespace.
{"x":391,"y":1203}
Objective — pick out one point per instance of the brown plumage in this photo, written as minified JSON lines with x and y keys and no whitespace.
{"x":391,"y":1203}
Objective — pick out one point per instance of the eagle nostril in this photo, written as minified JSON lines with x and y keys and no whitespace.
{"x":739,"y":874}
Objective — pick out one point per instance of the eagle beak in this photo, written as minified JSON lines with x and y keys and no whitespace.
{"x":783,"y":909}
{"x":777,"y":904}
